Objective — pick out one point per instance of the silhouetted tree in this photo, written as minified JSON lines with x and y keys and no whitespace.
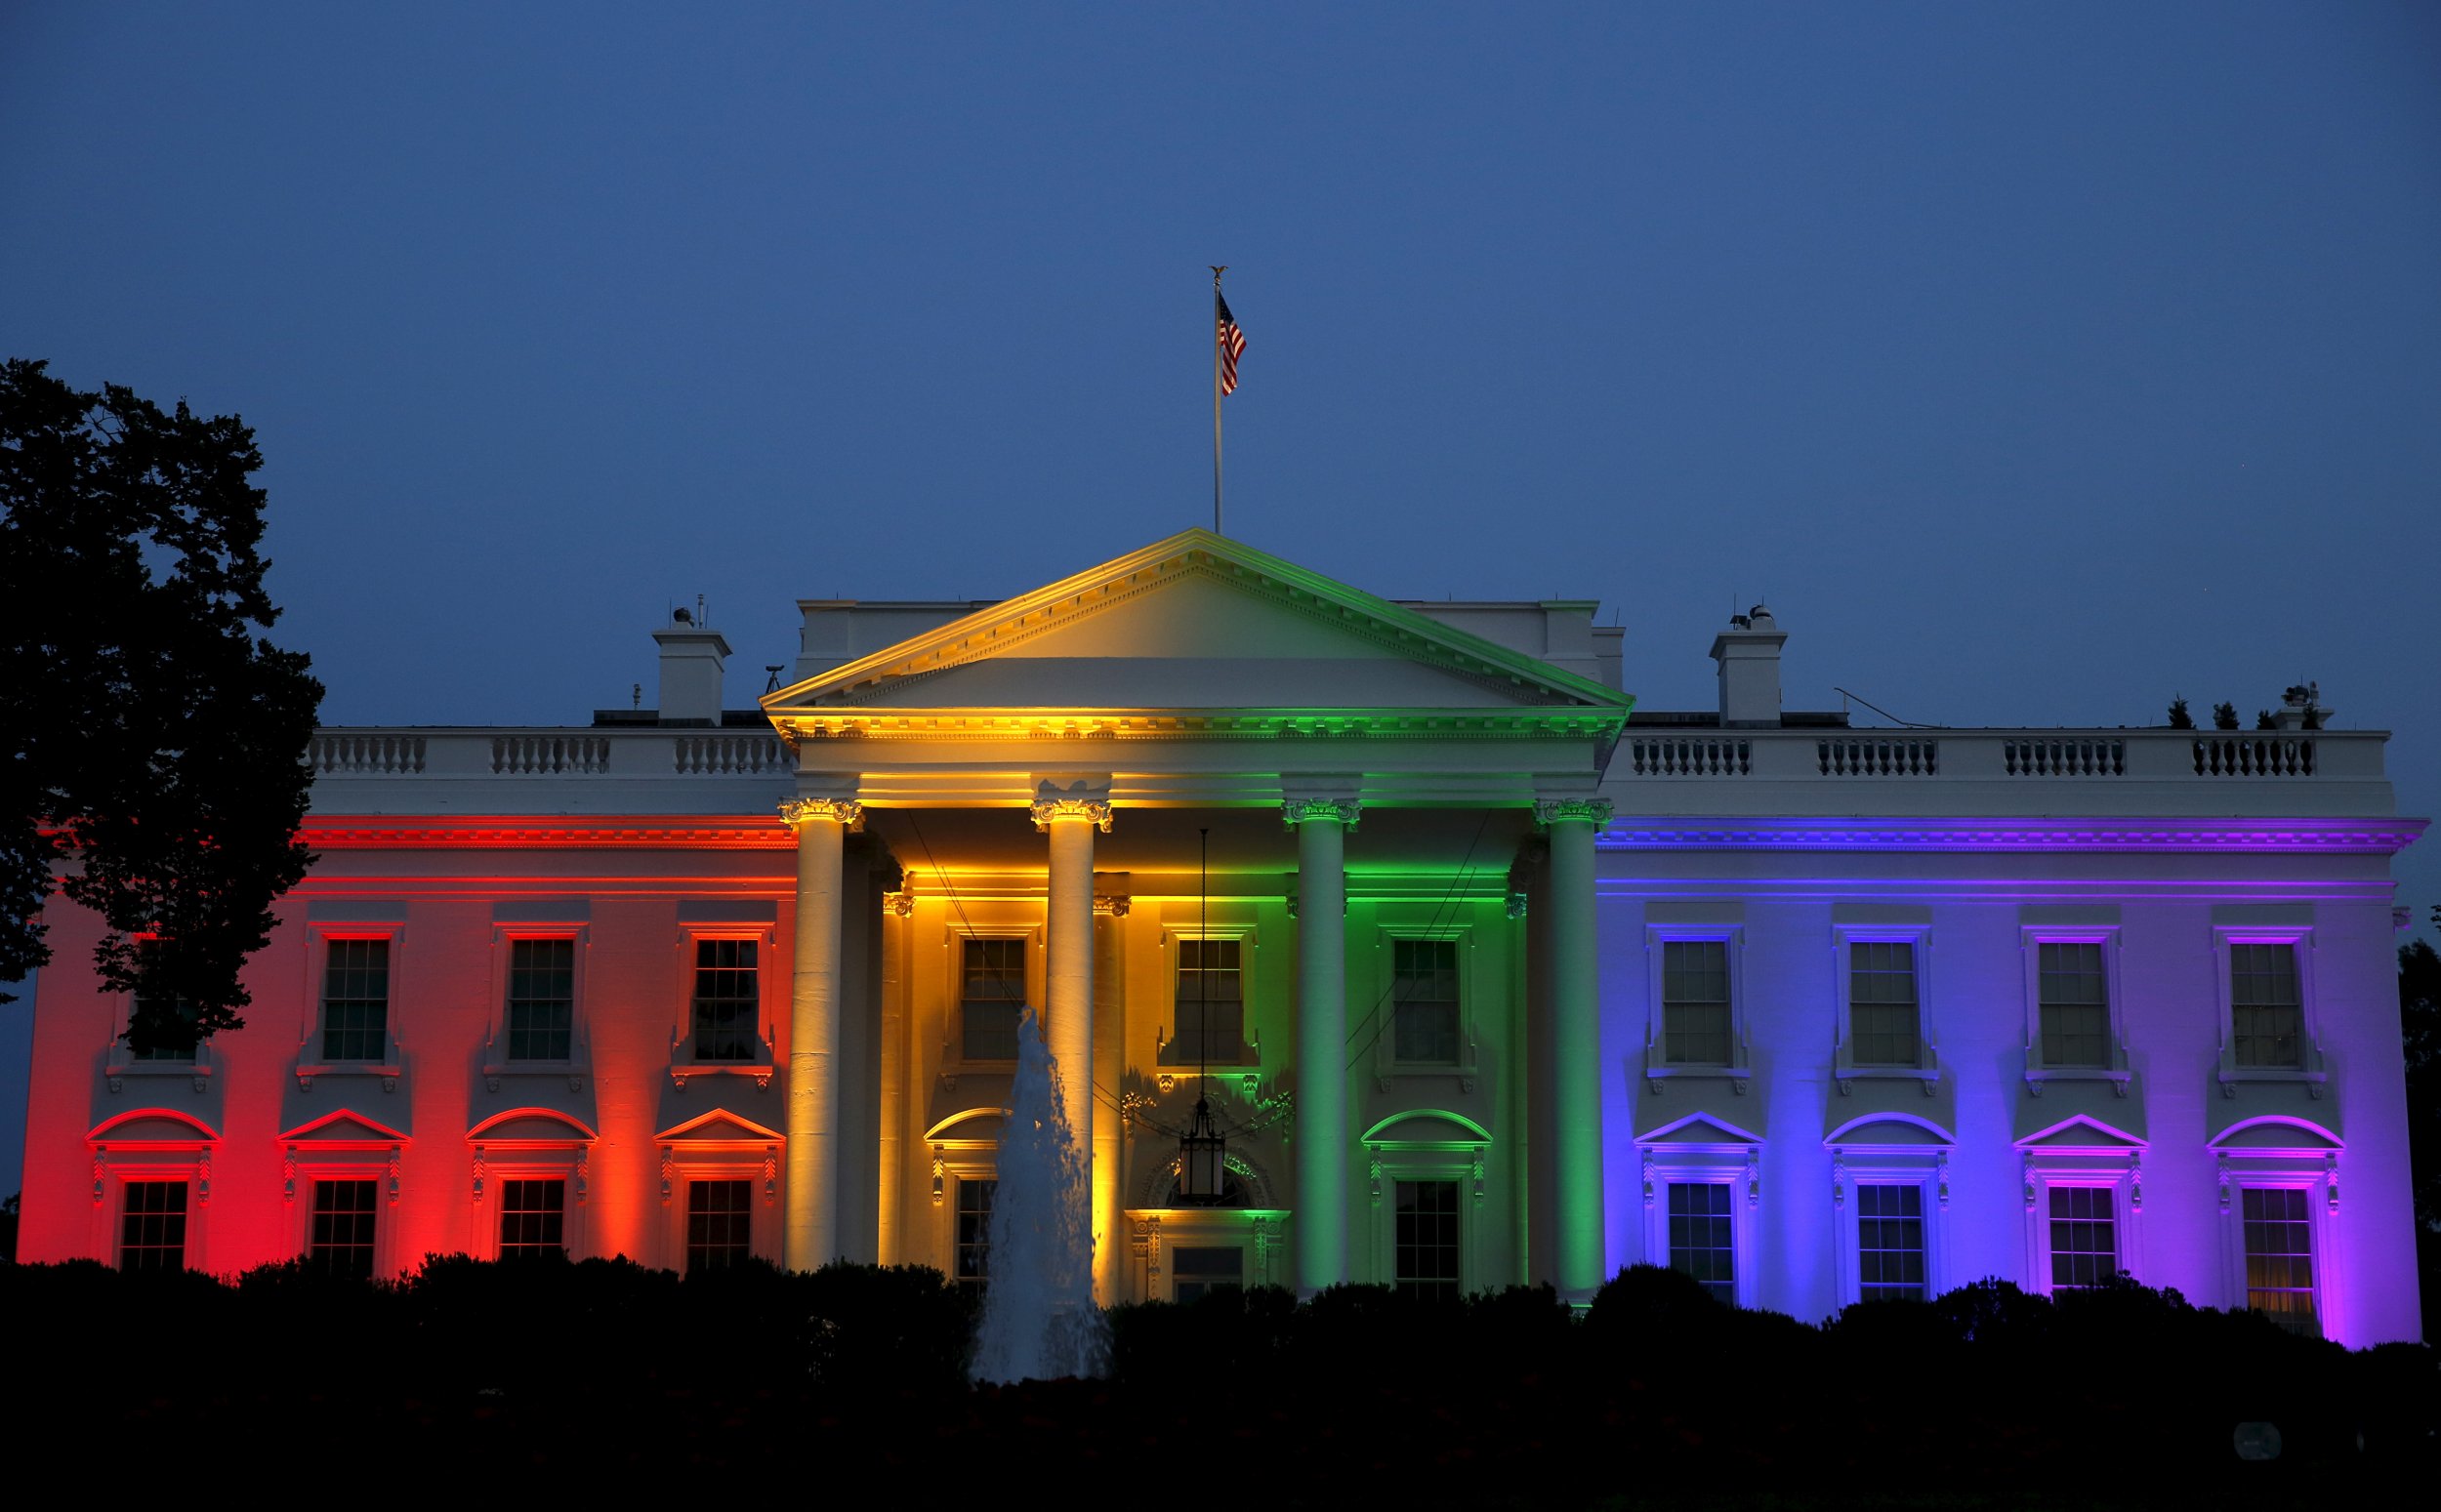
{"x":2420,"y":1024}
{"x":2180,"y":719}
{"x":2225,"y":716}
{"x":2264,"y":722}
{"x":153,"y":740}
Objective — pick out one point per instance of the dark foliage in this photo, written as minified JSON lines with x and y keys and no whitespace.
{"x":602,"y":1374}
{"x":2225,"y":716}
{"x":151,"y":737}
{"x":2180,"y":719}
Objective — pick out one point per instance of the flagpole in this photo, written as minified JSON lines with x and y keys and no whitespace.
{"x":1216,"y":400}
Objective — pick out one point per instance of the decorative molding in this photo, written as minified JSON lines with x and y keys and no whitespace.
{"x":1754,"y":1178}
{"x":1651,"y":1179}
{"x":1111,"y":905}
{"x":1594,"y":811}
{"x":1516,"y":903}
{"x":1838,"y":1179}
{"x":2220,"y":1176}
{"x":1941,"y":1176}
{"x":899,"y":904}
{"x":1346,"y":812}
{"x":556,"y":832}
{"x":848,"y":813}
{"x":2337,"y":836}
{"x":1096,"y":810}
{"x":2330,"y":1182}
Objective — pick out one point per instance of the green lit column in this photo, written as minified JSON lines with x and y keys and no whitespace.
{"x":809,"y":1219}
{"x":1576,"y":1038}
{"x":1321,"y":826}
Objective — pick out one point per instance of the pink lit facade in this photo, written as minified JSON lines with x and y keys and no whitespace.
{"x":1813,"y":1012}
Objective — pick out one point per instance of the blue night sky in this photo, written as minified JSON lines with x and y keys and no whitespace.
{"x":2034,"y":363}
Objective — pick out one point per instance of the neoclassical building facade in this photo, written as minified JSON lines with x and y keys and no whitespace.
{"x":1490,"y":976}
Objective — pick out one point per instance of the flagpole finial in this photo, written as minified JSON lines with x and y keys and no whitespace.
{"x":1217,"y":271}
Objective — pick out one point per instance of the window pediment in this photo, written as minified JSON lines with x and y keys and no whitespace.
{"x":2084,"y":1133}
{"x":344,"y":1127}
{"x":718,"y":1126}
{"x":152,"y":1125}
{"x":1700,"y":1130}
{"x":1891,"y":1130}
{"x":531,"y":1125}
{"x":2283,"y":1134}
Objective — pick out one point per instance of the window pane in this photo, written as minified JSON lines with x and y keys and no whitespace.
{"x":728,"y":1000}
{"x":146,"y":1004}
{"x":994,"y":996}
{"x":2085,"y":1237}
{"x":1889,"y":1243}
{"x":1196,"y":1270}
{"x":533,"y":1218}
{"x":2075,"y":1006}
{"x":542,"y":998}
{"x":355,"y":1000}
{"x":2279,"y":1254}
{"x":1881,"y":1002}
{"x":152,"y":1226}
{"x":719,"y":1222}
{"x":2267,"y":1015}
{"x":1210,"y":1002}
{"x":1703,"y":1241}
{"x":1425,"y":1006}
{"x":1427,"y":1238}
{"x":975,"y":1230}
{"x":341,"y":1243}
{"x":1695,"y":1002}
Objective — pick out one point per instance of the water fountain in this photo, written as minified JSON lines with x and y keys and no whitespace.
{"x":1038,"y":1318}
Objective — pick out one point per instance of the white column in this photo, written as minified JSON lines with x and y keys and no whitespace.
{"x":1068,"y":959}
{"x":810,"y":1224}
{"x":1321,"y":826}
{"x":1576,"y":1039}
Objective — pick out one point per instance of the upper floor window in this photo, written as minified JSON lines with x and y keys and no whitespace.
{"x":148,"y":1003}
{"x":152,"y":1226}
{"x":1425,"y":1002}
{"x":1884,"y":1027}
{"x":727,"y":999}
{"x":2073,"y":1005}
{"x":356,"y":1000}
{"x":2266,"y":1010}
{"x":1209,"y":1001}
{"x":991,"y":999}
{"x":1695,"y":1002}
{"x":541,"y":1010}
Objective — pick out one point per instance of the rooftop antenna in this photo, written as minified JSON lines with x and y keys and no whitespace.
{"x":699,"y":614}
{"x":636,"y":696}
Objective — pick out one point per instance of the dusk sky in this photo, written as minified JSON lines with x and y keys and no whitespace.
{"x":2036,"y":363}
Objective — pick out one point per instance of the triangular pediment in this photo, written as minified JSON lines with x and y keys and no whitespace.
{"x":2082,"y":1133}
{"x":1700,"y":1129}
{"x":1198,"y":622}
{"x":343,"y":1127}
{"x":719,"y":1126}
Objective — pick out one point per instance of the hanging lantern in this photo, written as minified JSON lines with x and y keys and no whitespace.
{"x":1203,"y":1165}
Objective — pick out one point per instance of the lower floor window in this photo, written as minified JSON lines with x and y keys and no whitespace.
{"x":1427,"y":1238}
{"x":719,"y":1222}
{"x":1703,"y":1242}
{"x":342,"y":1240}
{"x":152,"y":1227}
{"x":1195,"y":1270}
{"x":975,"y":1230}
{"x":2085,"y":1237}
{"x":533,"y":1218}
{"x":2279,"y":1254}
{"x":1889,"y":1243}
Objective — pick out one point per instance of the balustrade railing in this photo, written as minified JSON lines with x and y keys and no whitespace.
{"x":364,"y":753}
{"x":2064,"y":756}
{"x":549,"y":756}
{"x":1692,"y":756}
{"x":750,"y":756}
{"x":1877,"y":757}
{"x":2254,"y":755}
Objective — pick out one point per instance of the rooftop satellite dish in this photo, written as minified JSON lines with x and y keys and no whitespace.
{"x":681,"y":617}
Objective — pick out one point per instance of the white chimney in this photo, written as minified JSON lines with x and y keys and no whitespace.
{"x":1748,"y":653}
{"x":692,"y":657}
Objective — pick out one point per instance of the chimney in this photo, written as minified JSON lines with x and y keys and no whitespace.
{"x":691,"y":655}
{"x":1748,"y":653}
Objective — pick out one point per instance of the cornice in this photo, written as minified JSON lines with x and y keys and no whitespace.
{"x":557,"y":831}
{"x":952,"y":724}
{"x":2345,"y":837}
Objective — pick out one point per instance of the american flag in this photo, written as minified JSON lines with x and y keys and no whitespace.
{"x":1232,"y":343}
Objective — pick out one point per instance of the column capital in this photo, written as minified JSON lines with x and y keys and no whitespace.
{"x":1592,"y":812}
{"x":1343,"y":811}
{"x":849,"y":812}
{"x":1112,"y":905}
{"x":1045,"y":810}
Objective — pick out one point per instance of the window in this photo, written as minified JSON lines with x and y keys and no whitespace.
{"x":147,"y":1003}
{"x":1427,"y":1239}
{"x":342,"y":1241}
{"x":1883,"y":1019}
{"x":1210,"y":1001}
{"x":2074,"y":1006}
{"x":1196,"y":1271}
{"x":355,"y":1000}
{"x":992,"y":999}
{"x":533,"y":1218}
{"x":2085,"y":1237}
{"x":542,"y":998}
{"x":1890,"y":1243}
{"x":2279,"y":1253}
{"x":1703,"y":1242}
{"x":1695,"y":1002}
{"x":152,"y":1226}
{"x":728,"y":1000}
{"x":975,"y":1228}
{"x":1424,"y":995}
{"x":2267,"y":1010}
{"x":719,"y":1224}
